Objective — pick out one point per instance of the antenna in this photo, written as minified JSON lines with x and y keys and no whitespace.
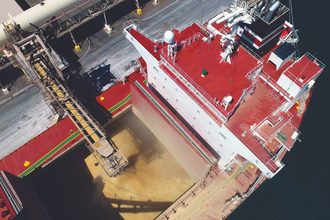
{"x":295,"y":33}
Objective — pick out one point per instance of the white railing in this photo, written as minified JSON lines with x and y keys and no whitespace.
{"x":202,"y":95}
{"x":131,"y":24}
{"x":314,"y":59}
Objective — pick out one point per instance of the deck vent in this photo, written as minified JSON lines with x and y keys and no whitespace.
{"x":204,"y":72}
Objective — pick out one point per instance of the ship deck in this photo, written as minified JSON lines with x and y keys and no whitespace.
{"x":300,"y":71}
{"x":118,"y":97}
{"x":64,"y":135}
{"x":250,"y":113}
{"x":41,"y":149}
{"x":304,"y":69}
{"x":223,"y":79}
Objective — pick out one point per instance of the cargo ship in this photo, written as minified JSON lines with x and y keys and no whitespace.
{"x":234,"y":90}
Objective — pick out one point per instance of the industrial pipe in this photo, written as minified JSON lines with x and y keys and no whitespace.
{"x":37,"y":15}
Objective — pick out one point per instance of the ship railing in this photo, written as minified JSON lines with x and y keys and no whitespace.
{"x":277,"y":88}
{"x":314,"y":59}
{"x":187,"y":25}
{"x":255,"y":185}
{"x":190,"y":194}
{"x":190,"y":40}
{"x":194,"y":97}
{"x":132,"y":24}
{"x":129,"y":24}
{"x":192,"y":85}
{"x":260,"y":60}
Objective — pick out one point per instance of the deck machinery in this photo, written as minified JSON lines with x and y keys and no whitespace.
{"x":44,"y":67}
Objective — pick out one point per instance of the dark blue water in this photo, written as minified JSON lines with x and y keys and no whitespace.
{"x":301,"y":189}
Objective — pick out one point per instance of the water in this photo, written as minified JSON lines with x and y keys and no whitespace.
{"x":301,"y":189}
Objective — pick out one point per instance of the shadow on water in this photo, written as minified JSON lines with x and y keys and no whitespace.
{"x":68,"y":191}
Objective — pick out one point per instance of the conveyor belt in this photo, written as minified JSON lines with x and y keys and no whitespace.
{"x":34,"y":54}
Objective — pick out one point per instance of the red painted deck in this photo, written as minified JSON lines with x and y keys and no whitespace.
{"x":223,"y":79}
{"x":269,"y":68}
{"x":148,"y":44}
{"x":41,"y":149}
{"x":118,"y":97}
{"x":6,"y":206}
{"x":63,"y":135}
{"x":278,"y":128}
{"x":303,"y":70}
{"x":250,"y":113}
{"x":192,"y":95}
{"x":300,"y":71}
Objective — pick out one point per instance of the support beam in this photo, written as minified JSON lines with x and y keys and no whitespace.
{"x":138,"y":8}
{"x":107,"y":28}
{"x":77,"y":47}
{"x":41,"y":64}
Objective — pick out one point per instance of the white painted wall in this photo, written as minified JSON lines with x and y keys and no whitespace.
{"x":287,"y":84}
{"x":190,"y":111}
{"x":219,"y":137}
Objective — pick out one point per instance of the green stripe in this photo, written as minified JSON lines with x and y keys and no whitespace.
{"x":49,"y":154}
{"x":119,"y":104}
